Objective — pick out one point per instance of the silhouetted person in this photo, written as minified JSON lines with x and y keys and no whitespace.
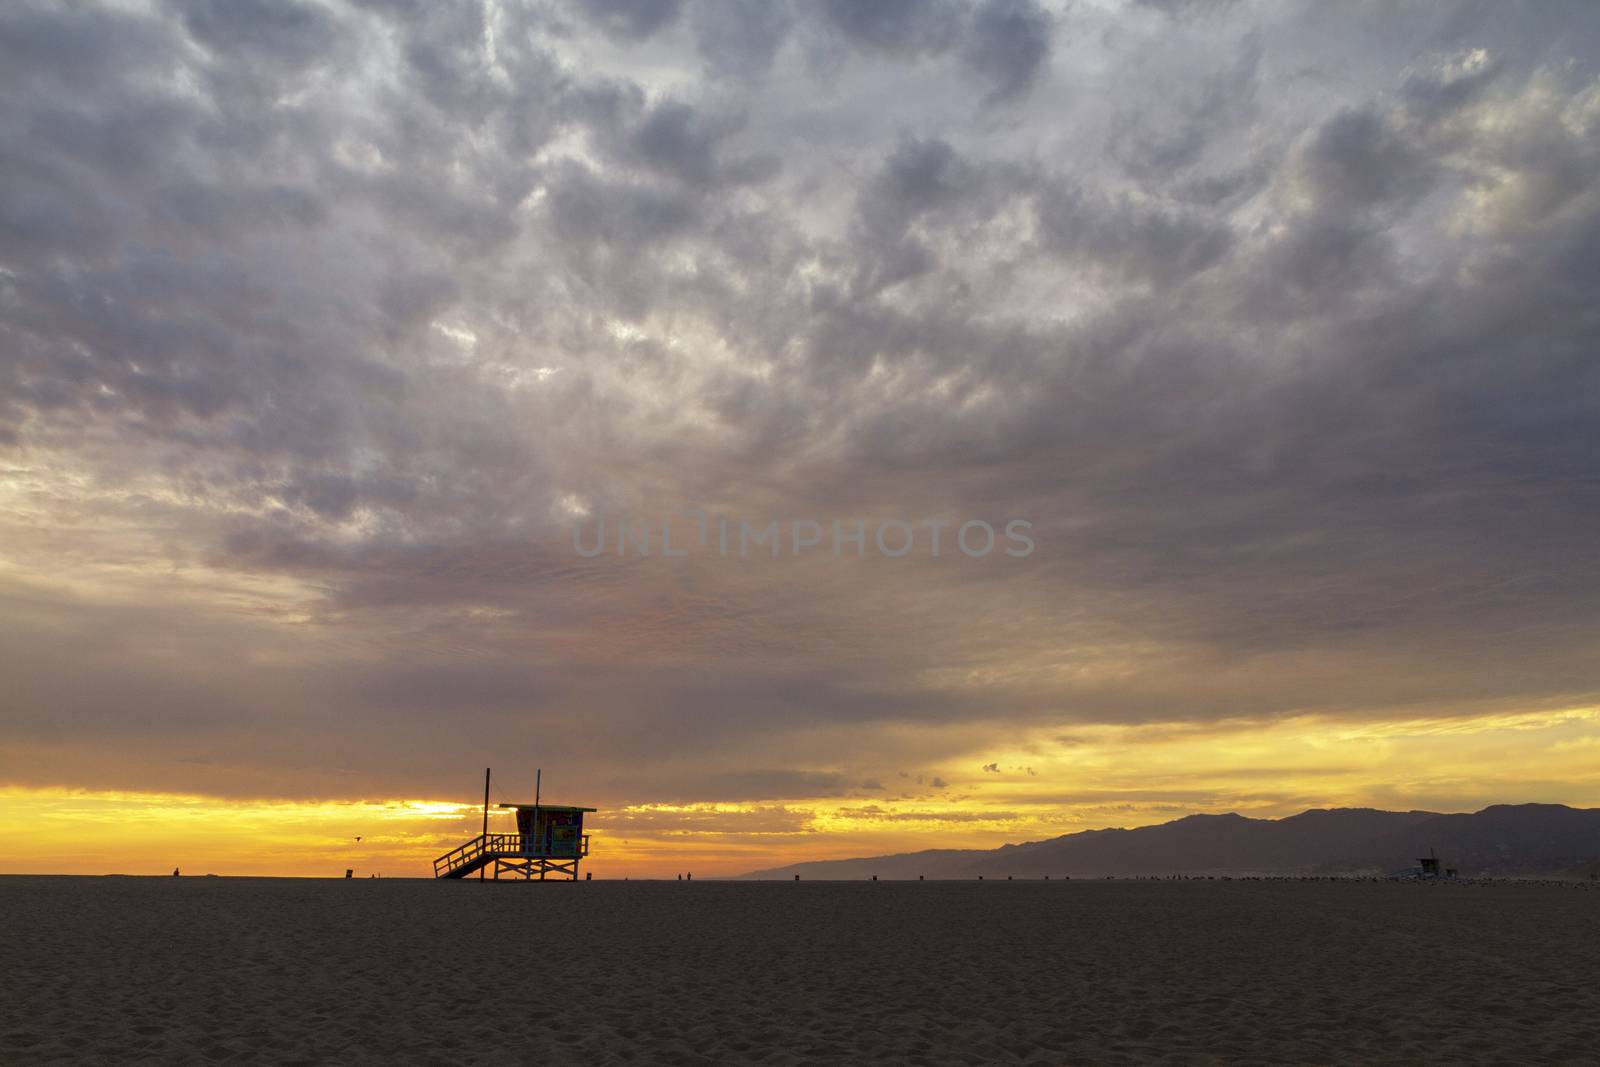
{"x":174,"y":872}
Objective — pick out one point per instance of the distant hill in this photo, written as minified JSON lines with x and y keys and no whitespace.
{"x":1506,"y":839}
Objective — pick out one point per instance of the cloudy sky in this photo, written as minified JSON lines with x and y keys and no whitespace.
{"x":324,"y":327}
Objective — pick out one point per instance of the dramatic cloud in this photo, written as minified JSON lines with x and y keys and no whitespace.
{"x":322,"y":325}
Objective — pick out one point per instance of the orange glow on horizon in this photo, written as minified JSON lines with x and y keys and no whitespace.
{"x":1052,"y":784}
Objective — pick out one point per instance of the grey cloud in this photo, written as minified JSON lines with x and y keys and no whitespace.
{"x":1294,"y":377}
{"x":740,"y":38}
{"x":755,"y":785}
{"x":678,"y":141}
{"x":631,"y":20}
{"x":1182,"y":7}
{"x":1007,"y":44}
{"x":291,"y":34}
{"x":590,"y":208}
{"x":907,"y":27}
{"x":1146,"y":244}
{"x":922,"y":186}
{"x":1188,"y":115}
{"x":1434,"y":91}
{"x":1356,"y":160}
{"x":1004,"y":43}
{"x":79,"y":51}
{"x":879,"y":813}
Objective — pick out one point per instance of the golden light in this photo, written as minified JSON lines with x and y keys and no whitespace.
{"x":1056,"y":781}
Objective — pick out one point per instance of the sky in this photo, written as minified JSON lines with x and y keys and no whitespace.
{"x":1242,"y":356}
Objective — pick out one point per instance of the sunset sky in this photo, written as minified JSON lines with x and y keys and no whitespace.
{"x":325,"y":328}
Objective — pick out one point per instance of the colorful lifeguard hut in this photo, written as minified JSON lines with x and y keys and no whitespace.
{"x":548,"y":844}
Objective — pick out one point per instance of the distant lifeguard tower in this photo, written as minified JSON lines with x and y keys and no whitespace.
{"x":1428,"y":867}
{"x":548,"y":844}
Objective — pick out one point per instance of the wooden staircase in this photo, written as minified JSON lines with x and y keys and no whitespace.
{"x":462,"y":861}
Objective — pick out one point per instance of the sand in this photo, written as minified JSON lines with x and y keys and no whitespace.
{"x":202,"y":970}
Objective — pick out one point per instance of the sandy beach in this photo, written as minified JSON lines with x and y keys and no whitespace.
{"x":214,"y":970}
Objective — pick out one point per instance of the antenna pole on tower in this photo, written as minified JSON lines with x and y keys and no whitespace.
{"x":485,"y":814}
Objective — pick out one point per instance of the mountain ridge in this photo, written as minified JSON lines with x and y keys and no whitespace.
{"x":1501,"y":839}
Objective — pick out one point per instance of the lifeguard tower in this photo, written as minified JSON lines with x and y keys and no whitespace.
{"x":548,"y":844}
